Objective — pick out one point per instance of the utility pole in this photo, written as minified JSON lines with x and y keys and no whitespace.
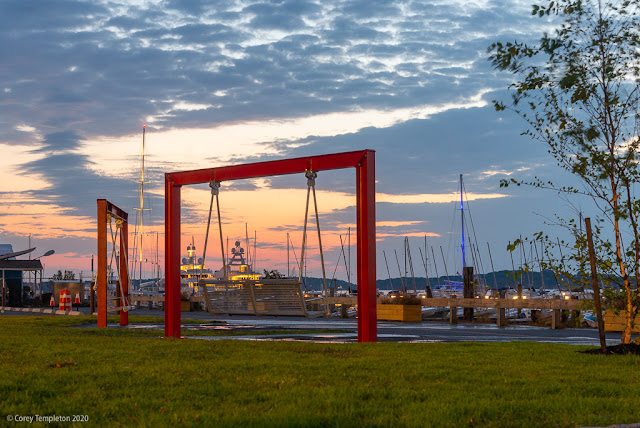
{"x":29,"y":259}
{"x":92,"y":291}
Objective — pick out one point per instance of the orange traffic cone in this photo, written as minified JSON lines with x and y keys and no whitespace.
{"x":77,"y":299}
{"x":65,"y":300}
{"x":52,"y":302}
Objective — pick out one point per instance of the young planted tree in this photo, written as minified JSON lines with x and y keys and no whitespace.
{"x":59,"y":276}
{"x":578,"y":92}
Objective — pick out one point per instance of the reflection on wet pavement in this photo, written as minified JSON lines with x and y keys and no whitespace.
{"x":424,"y":332}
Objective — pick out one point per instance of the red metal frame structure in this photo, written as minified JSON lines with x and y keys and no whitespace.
{"x":105,"y":209}
{"x":364,"y":163}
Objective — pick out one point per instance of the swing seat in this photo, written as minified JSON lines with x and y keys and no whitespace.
{"x":114,"y":301}
{"x":282,"y":297}
{"x":121,"y":308}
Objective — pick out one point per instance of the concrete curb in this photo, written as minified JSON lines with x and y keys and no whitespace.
{"x":40,"y":311}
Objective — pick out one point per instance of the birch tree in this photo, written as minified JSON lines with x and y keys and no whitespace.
{"x":577,"y":91}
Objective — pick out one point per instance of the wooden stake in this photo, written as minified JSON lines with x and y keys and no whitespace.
{"x":468,"y":291}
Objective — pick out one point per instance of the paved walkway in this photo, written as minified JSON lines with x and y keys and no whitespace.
{"x":426,"y":331}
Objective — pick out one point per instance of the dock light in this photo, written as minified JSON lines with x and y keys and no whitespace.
{"x":515,"y":297}
{"x":393,"y":297}
{"x":424,"y":296}
{"x":524,"y":297}
{"x":48,"y":253}
{"x":566,"y":297}
{"x":486,"y":296}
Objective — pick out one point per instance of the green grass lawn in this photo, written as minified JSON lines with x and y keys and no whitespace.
{"x":126,"y":378}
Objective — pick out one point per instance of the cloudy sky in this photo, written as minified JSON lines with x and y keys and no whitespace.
{"x":234,"y":81}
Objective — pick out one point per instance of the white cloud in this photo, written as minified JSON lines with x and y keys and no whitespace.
{"x":25,"y":128}
{"x":494,"y":172}
{"x":191,"y":148}
{"x":181,"y":105}
{"x":434,"y":198}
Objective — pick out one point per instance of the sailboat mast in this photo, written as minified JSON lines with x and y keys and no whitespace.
{"x":144,"y":128}
{"x":157,"y":264}
{"x":426,"y":260}
{"x":349,"y":252}
{"x":246,"y":243}
{"x":435,"y":266}
{"x":388,"y":273}
{"x":444,"y":262}
{"x":399,"y":271}
{"x":464,"y":262}
{"x":495,"y":282}
{"x":137,"y":253}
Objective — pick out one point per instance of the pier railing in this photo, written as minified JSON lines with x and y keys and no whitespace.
{"x":555,"y":305}
{"x":560,"y":304}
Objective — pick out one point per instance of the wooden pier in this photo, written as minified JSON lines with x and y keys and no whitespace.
{"x":555,"y":305}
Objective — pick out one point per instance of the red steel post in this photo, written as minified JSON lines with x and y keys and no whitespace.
{"x":366,"y":226}
{"x":101,"y":276}
{"x":359,"y":253}
{"x":172,"y":258}
{"x":363,"y":161}
{"x":124,"y":272}
{"x":106,"y":208}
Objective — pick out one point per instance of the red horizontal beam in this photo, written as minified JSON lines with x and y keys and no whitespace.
{"x":269,"y":168}
{"x":114,"y":210}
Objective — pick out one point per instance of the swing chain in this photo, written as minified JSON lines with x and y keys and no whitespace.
{"x":215,"y":192}
{"x":114,"y":235}
{"x":311,"y":178}
{"x":215,"y":187}
{"x":311,"y":186}
{"x":116,"y":219}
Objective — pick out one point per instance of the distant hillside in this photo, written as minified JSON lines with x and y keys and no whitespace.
{"x":502,"y":279}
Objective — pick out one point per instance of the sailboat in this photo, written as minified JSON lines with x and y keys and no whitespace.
{"x":142,"y":248}
{"x":452,"y":288}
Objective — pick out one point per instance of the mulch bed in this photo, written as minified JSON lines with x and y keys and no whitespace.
{"x":621,"y":349}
